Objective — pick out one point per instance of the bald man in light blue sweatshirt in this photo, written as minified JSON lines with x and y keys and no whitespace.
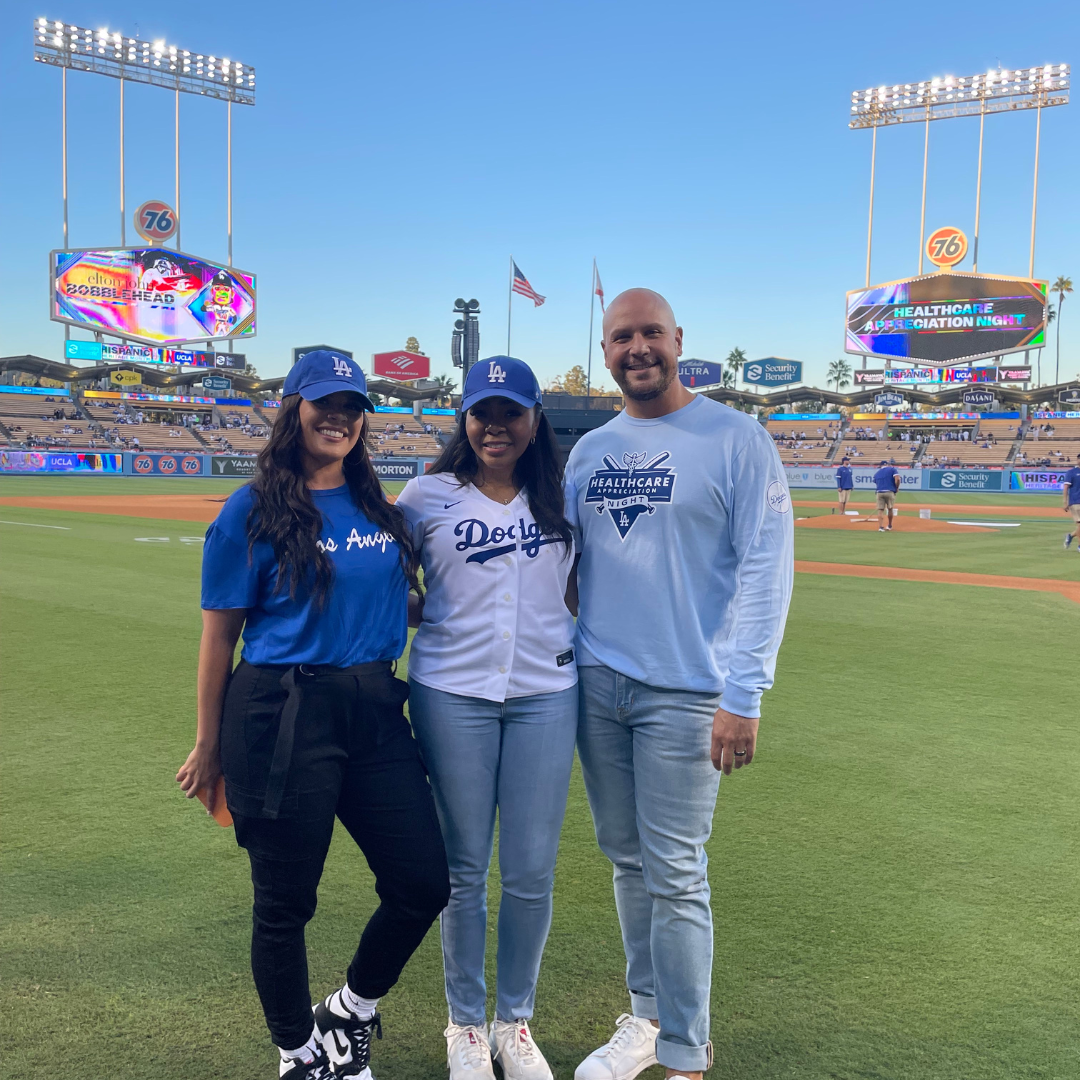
{"x":684,"y":579}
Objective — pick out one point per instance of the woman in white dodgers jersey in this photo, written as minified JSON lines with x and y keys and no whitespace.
{"x":493,"y":698}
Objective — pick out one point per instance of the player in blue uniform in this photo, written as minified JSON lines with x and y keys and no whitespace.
{"x":844,"y":484}
{"x":1071,"y":491}
{"x":887,"y":484}
{"x":314,"y":566}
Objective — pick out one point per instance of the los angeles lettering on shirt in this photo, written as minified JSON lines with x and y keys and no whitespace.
{"x":378,"y":540}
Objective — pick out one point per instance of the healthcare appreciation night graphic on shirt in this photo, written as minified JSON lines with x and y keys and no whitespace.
{"x":627,"y":493}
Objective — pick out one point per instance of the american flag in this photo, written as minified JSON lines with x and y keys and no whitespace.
{"x":521,"y":285}
{"x":599,"y":287}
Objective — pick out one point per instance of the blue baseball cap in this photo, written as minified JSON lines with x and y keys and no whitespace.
{"x":323,"y":372}
{"x":501,"y":376}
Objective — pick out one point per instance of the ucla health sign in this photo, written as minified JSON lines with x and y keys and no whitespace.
{"x":772,"y":371}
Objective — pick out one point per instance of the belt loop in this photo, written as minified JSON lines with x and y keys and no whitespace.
{"x":283,"y":747}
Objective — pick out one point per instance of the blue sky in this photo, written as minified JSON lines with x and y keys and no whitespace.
{"x":399,"y":153}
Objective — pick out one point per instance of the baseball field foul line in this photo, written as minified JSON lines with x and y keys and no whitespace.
{"x":1069,"y":589}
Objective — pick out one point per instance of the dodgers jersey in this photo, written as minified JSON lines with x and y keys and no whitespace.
{"x":687,"y":551}
{"x":495,"y":621}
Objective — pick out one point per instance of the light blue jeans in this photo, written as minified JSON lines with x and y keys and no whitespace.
{"x":652,"y":790}
{"x":515,"y":756}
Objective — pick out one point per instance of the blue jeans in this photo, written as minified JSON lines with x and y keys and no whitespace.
{"x":515,"y":756}
{"x":652,"y":791}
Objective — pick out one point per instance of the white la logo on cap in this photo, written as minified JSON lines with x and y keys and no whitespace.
{"x":342,"y":368}
{"x":496,"y":373}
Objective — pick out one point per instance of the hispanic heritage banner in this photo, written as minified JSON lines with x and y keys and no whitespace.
{"x":155,"y":295}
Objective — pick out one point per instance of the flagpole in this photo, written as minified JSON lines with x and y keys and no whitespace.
{"x":509,"y":303}
{"x":592,"y":307}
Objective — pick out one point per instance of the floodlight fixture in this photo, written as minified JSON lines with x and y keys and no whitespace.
{"x":970,"y":95}
{"x":106,"y":52}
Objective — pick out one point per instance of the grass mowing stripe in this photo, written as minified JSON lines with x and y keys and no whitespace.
{"x":33,"y":524}
{"x":894,"y":879}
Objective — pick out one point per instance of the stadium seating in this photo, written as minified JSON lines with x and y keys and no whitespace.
{"x":30,"y":416}
{"x":803,"y":442}
{"x":401,"y":435}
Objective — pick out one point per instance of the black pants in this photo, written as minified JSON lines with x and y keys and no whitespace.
{"x":353,"y":757}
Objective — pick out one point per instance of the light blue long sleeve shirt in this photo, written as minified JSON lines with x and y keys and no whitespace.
{"x":687,"y":551}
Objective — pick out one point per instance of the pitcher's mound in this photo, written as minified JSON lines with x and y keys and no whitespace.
{"x":900,"y":524}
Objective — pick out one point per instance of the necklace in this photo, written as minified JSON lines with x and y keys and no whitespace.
{"x":496,"y":498}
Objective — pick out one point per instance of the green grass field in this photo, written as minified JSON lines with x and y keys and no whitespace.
{"x":896,"y":879}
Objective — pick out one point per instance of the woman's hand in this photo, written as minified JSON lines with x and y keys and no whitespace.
{"x":201,"y":772}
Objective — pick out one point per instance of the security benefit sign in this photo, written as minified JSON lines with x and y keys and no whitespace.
{"x":772,"y":371}
{"x":964,"y":479}
{"x":944,"y":318}
{"x":154,"y":295}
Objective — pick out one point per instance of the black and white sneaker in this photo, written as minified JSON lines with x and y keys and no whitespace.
{"x":346,"y":1038}
{"x":298,"y":1069}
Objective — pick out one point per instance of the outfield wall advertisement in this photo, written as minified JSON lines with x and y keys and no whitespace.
{"x":964,"y":479}
{"x":1037,"y":480}
{"x":863,"y":478}
{"x":152,"y":464}
{"x":34,"y":461}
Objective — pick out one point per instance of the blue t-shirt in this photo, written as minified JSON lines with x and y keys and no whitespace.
{"x":883,"y":478}
{"x":365,"y":615}
{"x":843,"y":478}
{"x":1072,"y":478}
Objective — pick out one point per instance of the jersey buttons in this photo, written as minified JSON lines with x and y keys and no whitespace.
{"x":506,"y":635}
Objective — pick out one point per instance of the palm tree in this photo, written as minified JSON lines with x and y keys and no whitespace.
{"x":1062,"y":286}
{"x":735,"y":360}
{"x":445,"y":385}
{"x":727,"y":379}
{"x":840,"y":373}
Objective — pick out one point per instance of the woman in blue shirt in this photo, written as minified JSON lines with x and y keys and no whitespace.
{"x":315,"y":567}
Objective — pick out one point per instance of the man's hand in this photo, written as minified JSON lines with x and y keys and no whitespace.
{"x":733,"y":740}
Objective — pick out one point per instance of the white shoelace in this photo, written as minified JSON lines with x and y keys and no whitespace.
{"x":623,"y":1037}
{"x":524,"y":1048}
{"x":473,"y":1050}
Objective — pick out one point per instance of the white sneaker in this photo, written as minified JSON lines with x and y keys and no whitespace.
{"x":631,"y":1050}
{"x":513,"y":1047}
{"x":468,"y":1054}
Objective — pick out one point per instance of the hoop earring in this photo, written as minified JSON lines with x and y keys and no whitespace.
{"x":532,"y":440}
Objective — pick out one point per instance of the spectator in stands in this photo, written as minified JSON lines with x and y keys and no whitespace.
{"x":844,"y":484}
{"x":886,"y":483}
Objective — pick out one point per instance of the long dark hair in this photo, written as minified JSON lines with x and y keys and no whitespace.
{"x":285,"y":516}
{"x":539,"y":471}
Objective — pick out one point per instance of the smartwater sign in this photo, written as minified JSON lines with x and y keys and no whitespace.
{"x":700,"y":373}
{"x":772,"y":371}
{"x":964,"y":479}
{"x":863,"y":478}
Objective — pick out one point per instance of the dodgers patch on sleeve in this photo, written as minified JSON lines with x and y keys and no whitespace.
{"x":778,"y":498}
{"x":565,"y":658}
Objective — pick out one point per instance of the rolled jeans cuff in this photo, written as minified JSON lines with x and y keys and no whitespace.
{"x":643,"y":1006}
{"x":677,"y":1055}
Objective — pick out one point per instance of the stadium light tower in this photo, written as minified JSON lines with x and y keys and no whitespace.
{"x":950,"y":97}
{"x":107,"y":52}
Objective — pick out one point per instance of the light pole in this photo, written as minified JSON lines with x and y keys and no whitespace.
{"x":465,"y":342}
